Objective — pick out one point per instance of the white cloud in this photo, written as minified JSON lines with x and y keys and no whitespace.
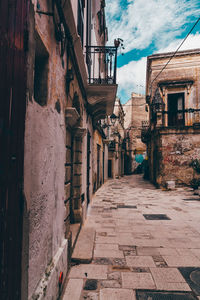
{"x":132,"y":77}
{"x":142,"y":21}
{"x":192,"y":42}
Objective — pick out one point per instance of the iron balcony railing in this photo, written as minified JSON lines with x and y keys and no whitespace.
{"x":185,"y":117}
{"x":101,"y":62}
{"x":179,"y":118}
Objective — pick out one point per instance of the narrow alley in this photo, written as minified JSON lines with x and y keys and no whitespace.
{"x":95,"y":96}
{"x":146,"y":241}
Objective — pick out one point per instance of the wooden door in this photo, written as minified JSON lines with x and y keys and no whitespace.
{"x":13,"y":46}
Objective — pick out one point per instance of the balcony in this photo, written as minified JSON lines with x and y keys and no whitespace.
{"x":96,"y":69}
{"x":102,"y":88}
{"x":181,"y":118}
{"x":101,"y":64}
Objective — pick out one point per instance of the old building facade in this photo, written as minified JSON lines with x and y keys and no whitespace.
{"x":173,"y":139}
{"x":61,"y":85}
{"x":113,"y":127}
{"x":136,"y":115}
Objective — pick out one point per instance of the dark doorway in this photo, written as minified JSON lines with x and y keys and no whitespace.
{"x":109,"y":168}
{"x":98,"y":165}
{"x":88,"y":167}
{"x":13,"y":70}
{"x":176,"y":109}
{"x":103,"y":165}
{"x":127,"y":164}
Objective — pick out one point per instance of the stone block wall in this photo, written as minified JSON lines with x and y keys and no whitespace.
{"x":175,"y":152}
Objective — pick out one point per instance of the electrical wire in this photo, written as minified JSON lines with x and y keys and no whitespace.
{"x":175,"y":52}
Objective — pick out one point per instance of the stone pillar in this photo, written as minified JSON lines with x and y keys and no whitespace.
{"x":78,"y":133}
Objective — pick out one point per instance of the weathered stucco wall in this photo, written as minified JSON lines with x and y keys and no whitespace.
{"x":178,"y":149}
{"x":44,"y":161}
{"x":44,"y":186}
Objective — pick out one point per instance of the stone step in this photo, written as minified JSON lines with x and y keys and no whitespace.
{"x":84,"y":248}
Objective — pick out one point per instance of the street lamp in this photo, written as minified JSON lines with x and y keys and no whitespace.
{"x":157,"y":102}
{"x":157,"y":108}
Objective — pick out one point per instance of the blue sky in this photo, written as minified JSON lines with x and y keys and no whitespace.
{"x":147,"y":27}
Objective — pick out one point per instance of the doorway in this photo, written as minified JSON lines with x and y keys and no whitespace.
{"x":109,"y":168}
{"x":88,"y":166}
{"x":98,"y":165}
{"x":13,"y":84}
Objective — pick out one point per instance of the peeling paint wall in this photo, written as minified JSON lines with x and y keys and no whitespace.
{"x":44,"y":186}
{"x":177,"y":154}
{"x":44,"y":161}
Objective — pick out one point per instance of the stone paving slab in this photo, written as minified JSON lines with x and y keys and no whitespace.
{"x":89,"y":271}
{"x":169,"y":279}
{"x":132,"y":253}
{"x":108,"y":253}
{"x":168,"y":251}
{"x":140,"y":261}
{"x":148,"y":251}
{"x":181,"y":261}
{"x":106,"y":240}
{"x":196,"y":252}
{"x":83,"y":251}
{"x":73,"y":290}
{"x":137,"y":281}
{"x":117,"y":294}
{"x":106,"y":247}
{"x":173,"y":286}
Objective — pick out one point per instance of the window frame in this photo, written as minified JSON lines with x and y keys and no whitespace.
{"x":173,"y":120}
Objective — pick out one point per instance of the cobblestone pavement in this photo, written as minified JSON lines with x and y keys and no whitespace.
{"x":143,"y":236}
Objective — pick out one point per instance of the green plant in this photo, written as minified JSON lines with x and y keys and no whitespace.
{"x":195,"y":183}
{"x":195,"y":164}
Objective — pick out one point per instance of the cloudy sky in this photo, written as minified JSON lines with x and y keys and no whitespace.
{"x":147,"y":27}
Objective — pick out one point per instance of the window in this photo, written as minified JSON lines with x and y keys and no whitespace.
{"x":101,"y":18}
{"x":176,"y":108}
{"x":80,"y":26}
{"x":41,"y":72}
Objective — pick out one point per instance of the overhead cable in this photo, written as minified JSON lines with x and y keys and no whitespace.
{"x":175,"y":52}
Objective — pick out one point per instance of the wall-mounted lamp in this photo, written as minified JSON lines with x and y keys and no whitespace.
{"x":157,"y":102}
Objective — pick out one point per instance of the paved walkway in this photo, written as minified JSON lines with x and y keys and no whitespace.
{"x":133,"y":252}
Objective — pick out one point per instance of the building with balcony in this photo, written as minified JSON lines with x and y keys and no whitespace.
{"x":113,"y":127}
{"x":172,"y":138}
{"x":58,"y":79}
